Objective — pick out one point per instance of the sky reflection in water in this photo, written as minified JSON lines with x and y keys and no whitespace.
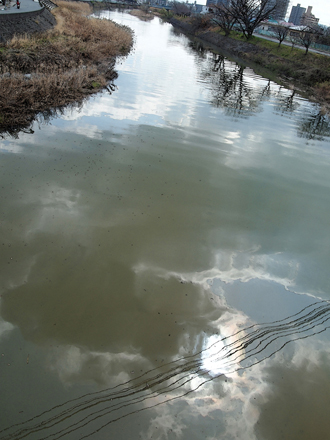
{"x":148,"y":225}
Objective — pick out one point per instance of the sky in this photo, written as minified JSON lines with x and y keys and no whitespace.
{"x":321,"y":9}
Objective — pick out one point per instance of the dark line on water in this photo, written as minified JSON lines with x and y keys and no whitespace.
{"x":243,"y":349}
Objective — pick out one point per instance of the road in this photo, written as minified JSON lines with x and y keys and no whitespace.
{"x":26,"y":6}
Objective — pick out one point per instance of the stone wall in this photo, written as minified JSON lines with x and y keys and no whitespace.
{"x":25,"y":23}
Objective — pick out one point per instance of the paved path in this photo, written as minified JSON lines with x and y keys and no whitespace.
{"x":297,"y":46}
{"x":26,"y":6}
{"x":30,"y":18}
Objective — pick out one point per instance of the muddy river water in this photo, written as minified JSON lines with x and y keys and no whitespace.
{"x":165,"y":257}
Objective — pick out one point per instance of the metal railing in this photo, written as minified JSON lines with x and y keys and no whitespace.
{"x":48,"y":4}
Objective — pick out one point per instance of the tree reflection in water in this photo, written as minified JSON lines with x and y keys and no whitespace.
{"x":198,"y":48}
{"x":314,"y":125}
{"x":240,"y":92}
{"x":286,"y":103}
{"x":234,"y":91}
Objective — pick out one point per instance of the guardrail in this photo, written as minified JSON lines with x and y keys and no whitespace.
{"x":48,"y":4}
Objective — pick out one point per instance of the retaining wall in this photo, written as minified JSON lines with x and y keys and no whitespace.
{"x":25,"y":23}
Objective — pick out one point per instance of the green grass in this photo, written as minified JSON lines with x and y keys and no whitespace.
{"x":166,"y":14}
{"x":96,"y":85}
{"x":274,"y":48}
{"x":288,"y":61}
{"x":235,"y":35}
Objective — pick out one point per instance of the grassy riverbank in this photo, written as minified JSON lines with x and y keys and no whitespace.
{"x":309,"y":74}
{"x":40,"y":73}
{"x":143,"y":15}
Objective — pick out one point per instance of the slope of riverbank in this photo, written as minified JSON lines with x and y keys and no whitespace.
{"x":30,"y":18}
{"x":309,"y":74}
{"x":41,"y":73}
{"x":142,"y":14}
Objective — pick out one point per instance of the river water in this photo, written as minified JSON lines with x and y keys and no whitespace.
{"x":165,"y":257}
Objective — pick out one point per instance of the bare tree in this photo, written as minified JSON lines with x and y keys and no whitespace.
{"x":249,"y":13}
{"x":180,"y":9}
{"x":324,"y":37}
{"x":224,"y":17}
{"x":281,"y":33}
{"x":293,"y":41}
{"x":327,"y":33}
{"x":307,"y":37}
{"x":145,"y":7}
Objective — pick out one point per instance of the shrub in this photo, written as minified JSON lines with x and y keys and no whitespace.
{"x":200,"y":22}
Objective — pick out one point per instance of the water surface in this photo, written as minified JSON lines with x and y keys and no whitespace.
{"x":165,"y":252}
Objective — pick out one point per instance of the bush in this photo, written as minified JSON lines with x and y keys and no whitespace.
{"x":200,"y":22}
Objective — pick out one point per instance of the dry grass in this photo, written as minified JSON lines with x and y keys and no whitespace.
{"x":45,"y":90}
{"x":143,"y":15}
{"x":114,"y":38}
{"x":76,"y":30}
{"x":64,"y":65}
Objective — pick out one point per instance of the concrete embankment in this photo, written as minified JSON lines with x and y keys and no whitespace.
{"x":25,"y":23}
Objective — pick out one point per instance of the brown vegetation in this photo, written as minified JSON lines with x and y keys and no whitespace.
{"x":142,"y":14}
{"x":64,"y":65}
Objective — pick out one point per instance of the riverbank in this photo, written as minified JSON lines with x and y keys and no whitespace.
{"x":309,"y":74}
{"x":143,"y":15}
{"x":44,"y":72}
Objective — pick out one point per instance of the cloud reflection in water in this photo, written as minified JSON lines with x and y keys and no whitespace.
{"x":175,"y":380}
{"x":115,"y":224}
